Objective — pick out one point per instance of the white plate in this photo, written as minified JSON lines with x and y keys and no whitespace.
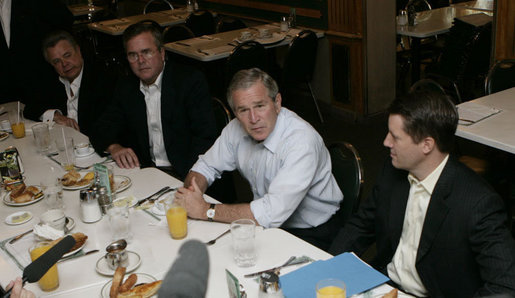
{"x":134,"y":262}
{"x":142,"y":278}
{"x":90,"y":151}
{"x":9,"y":219}
{"x":276,"y":37}
{"x":82,"y":174}
{"x":71,"y":223}
{"x":3,"y":135}
{"x":121,"y":183}
{"x":130,"y":199}
{"x":75,"y":250}
{"x":8,"y":202}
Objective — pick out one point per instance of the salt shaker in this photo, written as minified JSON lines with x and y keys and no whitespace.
{"x":189,"y":6}
{"x":269,"y":286}
{"x":402,"y":19}
{"x":89,"y":209}
{"x":284,"y":24}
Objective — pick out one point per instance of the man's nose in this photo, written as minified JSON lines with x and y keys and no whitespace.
{"x":387,"y":141}
{"x":252,"y":116}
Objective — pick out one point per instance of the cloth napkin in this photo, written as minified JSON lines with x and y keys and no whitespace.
{"x":219,"y":50}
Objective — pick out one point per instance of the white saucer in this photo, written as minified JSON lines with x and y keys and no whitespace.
{"x":103,"y":268}
{"x":90,"y":151}
{"x":25,"y":214}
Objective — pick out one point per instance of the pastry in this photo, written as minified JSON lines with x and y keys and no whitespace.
{"x":144,"y":290}
{"x":117,"y":280}
{"x":23,"y":198}
{"x":70,"y":178}
{"x":128,"y":283}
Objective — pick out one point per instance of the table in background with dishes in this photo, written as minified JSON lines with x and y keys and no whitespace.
{"x":150,"y":248}
{"x":218,"y":46}
{"x":164,"y":18}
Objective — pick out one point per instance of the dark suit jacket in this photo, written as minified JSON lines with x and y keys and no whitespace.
{"x":95,"y":94}
{"x":465,"y":249}
{"x":187,"y":118}
{"x":24,"y":73}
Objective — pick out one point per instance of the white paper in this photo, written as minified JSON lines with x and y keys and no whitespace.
{"x":471,"y":112}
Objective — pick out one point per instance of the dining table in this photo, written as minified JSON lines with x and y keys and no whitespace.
{"x":430,"y":23}
{"x":220,"y":45}
{"x":79,"y":10}
{"x":494,"y":122}
{"x":150,"y":243}
{"x":164,"y":18}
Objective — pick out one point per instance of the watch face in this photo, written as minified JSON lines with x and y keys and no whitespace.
{"x":210,"y":213}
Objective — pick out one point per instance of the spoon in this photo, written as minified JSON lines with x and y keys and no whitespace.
{"x":211,"y":242}
{"x":287,"y":263}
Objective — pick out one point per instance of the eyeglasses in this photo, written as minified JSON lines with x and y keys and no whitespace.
{"x":147,"y":54}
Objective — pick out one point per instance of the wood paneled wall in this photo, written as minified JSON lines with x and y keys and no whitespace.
{"x":345,"y":16}
{"x":505,"y":30}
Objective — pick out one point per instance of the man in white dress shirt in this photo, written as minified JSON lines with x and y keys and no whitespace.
{"x":283,"y":158}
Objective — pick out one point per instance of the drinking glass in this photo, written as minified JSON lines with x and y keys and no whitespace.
{"x":17,"y":123}
{"x":41,"y":136}
{"x":119,"y":221}
{"x":244,"y":247}
{"x":330,"y":288}
{"x":53,"y":191}
{"x":49,"y":281}
{"x":66,"y":152}
{"x":177,"y":219}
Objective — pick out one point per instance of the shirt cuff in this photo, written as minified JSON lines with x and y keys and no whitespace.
{"x":48,"y":116}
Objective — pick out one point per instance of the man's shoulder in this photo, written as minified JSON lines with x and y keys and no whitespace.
{"x":294,"y":128}
{"x":180,"y":71}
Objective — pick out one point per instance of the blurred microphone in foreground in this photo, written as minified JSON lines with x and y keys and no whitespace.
{"x":189,"y":273}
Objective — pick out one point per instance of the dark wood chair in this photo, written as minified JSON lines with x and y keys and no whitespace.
{"x":228,"y":24}
{"x":201,"y":22}
{"x":157,"y":5}
{"x":246,"y":55}
{"x":176,"y":33}
{"x":500,"y":77}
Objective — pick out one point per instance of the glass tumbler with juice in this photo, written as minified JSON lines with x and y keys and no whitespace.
{"x":330,"y":288}
{"x":49,"y":281}
{"x":177,"y":218}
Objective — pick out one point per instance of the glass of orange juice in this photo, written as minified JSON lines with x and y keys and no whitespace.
{"x":17,"y":123}
{"x":49,"y":281}
{"x":177,"y":218}
{"x":330,"y":288}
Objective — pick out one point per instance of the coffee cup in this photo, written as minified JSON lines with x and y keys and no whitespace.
{"x":245,"y":35}
{"x":116,"y":255}
{"x":264,"y":33}
{"x":54,"y":218}
{"x":82,"y":148}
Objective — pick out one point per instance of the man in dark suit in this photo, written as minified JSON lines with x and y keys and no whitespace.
{"x":86,"y":87}
{"x":24,"y":74}
{"x":439,"y":228}
{"x":160,"y":117}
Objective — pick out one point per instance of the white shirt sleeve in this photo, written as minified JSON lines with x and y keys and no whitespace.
{"x":48,"y":116}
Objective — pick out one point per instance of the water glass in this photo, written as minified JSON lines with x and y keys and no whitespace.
{"x":41,"y":136}
{"x":244,"y":247}
{"x":53,"y":192}
{"x":119,"y":221}
{"x":66,"y":152}
{"x":330,"y":288}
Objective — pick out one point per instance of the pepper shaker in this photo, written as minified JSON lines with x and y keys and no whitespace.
{"x":269,"y":286}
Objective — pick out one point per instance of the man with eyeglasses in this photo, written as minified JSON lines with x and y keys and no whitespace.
{"x":160,"y":116}
{"x":86,"y":86}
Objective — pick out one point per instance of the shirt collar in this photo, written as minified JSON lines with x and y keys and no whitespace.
{"x":429,"y":182}
{"x":76,"y":82}
{"x":274,"y":139}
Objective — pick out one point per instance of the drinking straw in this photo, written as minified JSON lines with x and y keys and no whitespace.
{"x":18,"y":112}
{"x":65,"y":147}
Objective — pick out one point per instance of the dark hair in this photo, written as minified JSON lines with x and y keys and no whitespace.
{"x":54,"y":37}
{"x":245,"y":78}
{"x":141,"y":27}
{"x":428,"y":114}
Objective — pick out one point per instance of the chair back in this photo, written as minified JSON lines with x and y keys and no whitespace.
{"x":157,"y":5}
{"x":151,"y":22}
{"x":228,"y":24}
{"x":246,"y":55}
{"x":427,"y":85}
{"x":201,"y":22}
{"x":500,"y":77}
{"x":347,"y":169}
{"x":176,"y":33}
{"x":299,"y":62}
{"x":222,"y":114}
{"x":419,"y":5}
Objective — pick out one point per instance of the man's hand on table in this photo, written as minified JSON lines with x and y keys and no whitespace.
{"x":124,"y":157}
{"x":63,"y":120}
{"x":192,"y":200}
{"x":18,"y":291}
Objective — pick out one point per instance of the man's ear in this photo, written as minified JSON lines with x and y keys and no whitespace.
{"x":278,"y":102}
{"x":428,"y":145}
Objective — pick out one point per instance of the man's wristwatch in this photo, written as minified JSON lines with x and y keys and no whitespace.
{"x":211,"y":212}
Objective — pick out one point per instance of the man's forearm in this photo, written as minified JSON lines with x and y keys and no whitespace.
{"x":231,"y":212}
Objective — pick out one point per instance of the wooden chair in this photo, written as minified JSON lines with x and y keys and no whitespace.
{"x":201,"y":22}
{"x":500,"y":77}
{"x":157,"y":5}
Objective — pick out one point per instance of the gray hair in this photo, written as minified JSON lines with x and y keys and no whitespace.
{"x":53,"y":38}
{"x":245,"y":78}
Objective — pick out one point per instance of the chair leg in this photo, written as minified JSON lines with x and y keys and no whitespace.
{"x":316,"y":104}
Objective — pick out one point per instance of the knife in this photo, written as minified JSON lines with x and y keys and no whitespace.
{"x":152,"y":195}
{"x":276,"y":268}
{"x":77,"y":255}
{"x":53,"y":159}
{"x":19,"y":236}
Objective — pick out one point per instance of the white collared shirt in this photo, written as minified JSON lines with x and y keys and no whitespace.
{"x":152,"y":95}
{"x":289,"y":172}
{"x":402,"y":268}
{"x":72,"y":103}
{"x":5,"y":19}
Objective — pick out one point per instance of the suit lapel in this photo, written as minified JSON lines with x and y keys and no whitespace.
{"x":437,"y":210}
